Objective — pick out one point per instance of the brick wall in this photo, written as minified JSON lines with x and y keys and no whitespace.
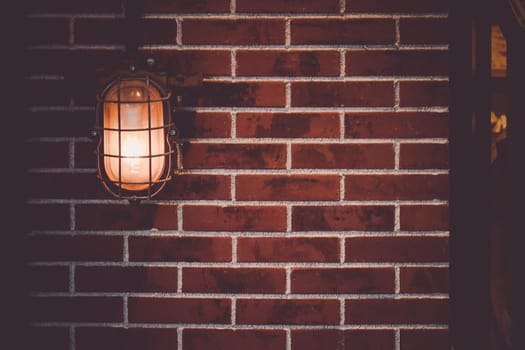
{"x":312,"y":210}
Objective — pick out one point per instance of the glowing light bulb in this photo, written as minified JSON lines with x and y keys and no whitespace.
{"x":134,"y":145}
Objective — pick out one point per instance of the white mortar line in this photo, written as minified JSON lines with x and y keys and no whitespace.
{"x":342,"y":6}
{"x":398,"y":338}
{"x":342,"y":311}
{"x":180,"y":218}
{"x":226,"y":203}
{"x":178,"y":39}
{"x":342,"y":125}
{"x":179,"y":338}
{"x":436,"y":109}
{"x":72,"y":278}
{"x":234,"y":249}
{"x":396,"y":154}
{"x":187,"y":47}
{"x":342,"y":189}
{"x":397,"y":217}
{"x":125,"y":249}
{"x":71,"y":154}
{"x":72,"y":217}
{"x":258,"y":172}
{"x":244,"y":15}
{"x":288,"y":338}
{"x":288,"y":32}
{"x":233,"y":318}
{"x":397,"y":95}
{"x":233,"y":63}
{"x":397,"y":275}
{"x":179,"y":279}
{"x":272,"y":265}
{"x":385,"y":326}
{"x":233,"y":125}
{"x":233,"y":188}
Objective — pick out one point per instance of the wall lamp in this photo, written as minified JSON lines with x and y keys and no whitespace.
{"x":134,"y":129}
{"x":135,"y":134}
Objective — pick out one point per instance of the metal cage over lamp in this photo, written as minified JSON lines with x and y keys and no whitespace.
{"x":134,"y":128}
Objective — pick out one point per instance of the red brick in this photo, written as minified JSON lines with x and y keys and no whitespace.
{"x":48,"y":278}
{"x":76,"y":248}
{"x":343,"y":218}
{"x":112,"y":31}
{"x":165,"y":249}
{"x":424,"y":280}
{"x":48,"y":155}
{"x":47,"y":31}
{"x":287,"y":187}
{"x":411,"y":62}
{"x":56,"y":338}
{"x":235,"y":156}
{"x":344,"y":31}
{"x":207,"y":62}
{"x":126,"y":217}
{"x":424,"y":217}
{"x":233,"y":32}
{"x":288,"y":125}
{"x":287,"y":311}
{"x":428,"y":339}
{"x":287,"y":249}
{"x":331,"y":339}
{"x":66,"y":61}
{"x":287,"y":63}
{"x":222,"y":339}
{"x":396,"y":187}
{"x":125,"y":279}
{"x":392,"y":311}
{"x":69,"y":186}
{"x":343,"y":94}
{"x":199,"y":187}
{"x":404,"y":6}
{"x":86,"y":158}
{"x":59,"y":124}
{"x":236,"y":280}
{"x":397,"y":249}
{"x":203,"y":124}
{"x":417,"y":31}
{"x":178,"y":310}
{"x":423,"y":156}
{"x":187,"y":6}
{"x":125,"y":338}
{"x":236,"y":94}
{"x":287,"y":6}
{"x":68,"y":6}
{"x":48,"y":216}
{"x":234,"y":218}
{"x":343,"y":156}
{"x":76,"y":309}
{"x":423,"y":93}
{"x":396,"y":125}
{"x":343,"y":280}
{"x":47,"y":93}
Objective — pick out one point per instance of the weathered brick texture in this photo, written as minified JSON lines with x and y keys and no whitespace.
{"x":312,"y":208}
